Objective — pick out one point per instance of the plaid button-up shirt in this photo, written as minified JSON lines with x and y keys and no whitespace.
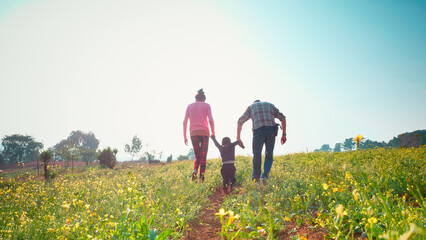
{"x":262,"y":114}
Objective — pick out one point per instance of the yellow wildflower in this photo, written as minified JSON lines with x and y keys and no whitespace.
{"x":325,"y":186}
{"x":232,"y":217}
{"x":357,"y":139}
{"x":66,"y":206}
{"x":221,"y":212}
{"x":340,"y":211}
{"x":372,"y":221}
{"x":356,"y":194}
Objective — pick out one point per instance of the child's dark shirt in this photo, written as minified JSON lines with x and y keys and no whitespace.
{"x":227,"y":152}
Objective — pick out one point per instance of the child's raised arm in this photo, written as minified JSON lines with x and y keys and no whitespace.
{"x":216,"y":143}
{"x":239,"y":143}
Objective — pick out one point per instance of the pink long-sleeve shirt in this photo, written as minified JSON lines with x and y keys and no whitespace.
{"x":198,"y":113}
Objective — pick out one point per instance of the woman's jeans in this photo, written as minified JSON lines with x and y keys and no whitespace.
{"x":262,"y":136}
{"x":201,"y":145}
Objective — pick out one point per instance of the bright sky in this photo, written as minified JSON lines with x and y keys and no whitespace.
{"x":123,"y":68}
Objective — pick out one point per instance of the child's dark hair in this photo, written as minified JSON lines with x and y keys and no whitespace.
{"x":226,"y":140}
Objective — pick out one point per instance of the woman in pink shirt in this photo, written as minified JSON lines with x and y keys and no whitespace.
{"x":198,"y":113}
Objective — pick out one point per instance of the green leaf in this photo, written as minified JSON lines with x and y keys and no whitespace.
{"x":299,"y":221}
{"x":153,"y":234}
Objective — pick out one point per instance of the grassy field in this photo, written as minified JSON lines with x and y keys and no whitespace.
{"x":373,"y":194}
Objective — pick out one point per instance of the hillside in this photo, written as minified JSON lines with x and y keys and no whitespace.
{"x":346,"y":195}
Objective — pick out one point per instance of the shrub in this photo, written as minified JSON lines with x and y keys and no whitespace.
{"x":51,"y":173}
{"x":182,"y":157}
{"x":45,"y":157}
{"x":107,"y":158}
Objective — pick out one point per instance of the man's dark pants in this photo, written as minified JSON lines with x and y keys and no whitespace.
{"x":263,"y":136}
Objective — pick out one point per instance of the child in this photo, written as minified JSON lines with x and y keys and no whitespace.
{"x":227,"y":153}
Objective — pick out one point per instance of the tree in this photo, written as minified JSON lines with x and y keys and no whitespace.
{"x":394,"y":143}
{"x":134,"y":148}
{"x":62,"y":149}
{"x":149,"y":156}
{"x":182,"y":157}
{"x":78,"y":145}
{"x":409,"y":139}
{"x":412,"y":139}
{"x":86,"y":143}
{"x":107,"y":157}
{"x":68,"y":151}
{"x":191,"y":154}
{"x":367,"y":144}
{"x":348,"y":144}
{"x":2,"y":162}
{"x":45,"y":157}
{"x":20,"y":148}
{"x":170,"y":158}
{"x":338,"y":147}
{"x":324,"y":148}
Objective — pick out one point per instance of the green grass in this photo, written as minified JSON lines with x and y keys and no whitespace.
{"x":374,"y":193}
{"x":377,"y":193}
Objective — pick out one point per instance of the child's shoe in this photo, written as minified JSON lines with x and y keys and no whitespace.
{"x":202,"y":177}
{"x":225,"y":191}
{"x":194,"y":175}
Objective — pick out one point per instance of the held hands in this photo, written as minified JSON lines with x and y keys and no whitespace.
{"x":241,"y":144}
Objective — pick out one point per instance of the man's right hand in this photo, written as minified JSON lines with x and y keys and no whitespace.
{"x":186,"y":141}
{"x":283,"y":139}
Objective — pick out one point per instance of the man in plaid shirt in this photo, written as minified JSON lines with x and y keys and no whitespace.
{"x":263,"y":116}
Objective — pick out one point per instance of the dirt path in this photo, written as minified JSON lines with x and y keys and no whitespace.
{"x":207,"y":225}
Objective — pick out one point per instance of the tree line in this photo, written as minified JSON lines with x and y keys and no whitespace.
{"x":16,"y":150}
{"x":135,"y":147}
{"x":20,"y":149}
{"x":408,"y":139}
